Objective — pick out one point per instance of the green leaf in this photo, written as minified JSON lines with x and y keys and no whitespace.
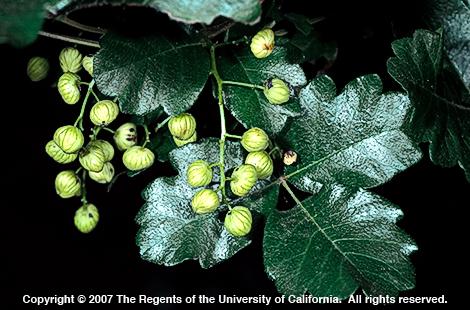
{"x":148,"y":72}
{"x":441,"y":100}
{"x":300,"y":22}
{"x":262,"y":198}
{"x":354,"y":138}
{"x":312,"y":47}
{"x":162,"y":144}
{"x":249,"y":106}
{"x":337,"y":241}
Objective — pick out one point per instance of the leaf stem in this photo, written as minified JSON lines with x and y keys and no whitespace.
{"x":83,"y":199}
{"x":248,"y":85}
{"x":82,"y":110}
{"x":233,"y":136}
{"x":109,"y":130}
{"x":66,"y":20}
{"x":291,"y":193}
{"x":147,"y":135}
{"x":234,"y":42}
{"x":162,"y":123}
{"x":69,"y":39}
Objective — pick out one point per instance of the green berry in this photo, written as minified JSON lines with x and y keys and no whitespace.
{"x":104,"y":112}
{"x":182,"y":126}
{"x":92,"y":157}
{"x":255,"y":139}
{"x":86,"y":218}
{"x":180,"y":143}
{"x":37,"y":68}
{"x":70,"y":60}
{"x":87,"y":63}
{"x":205,"y":201}
{"x":68,"y":87}
{"x":262,"y":163}
{"x":262,"y":44}
{"x":199,"y":173}
{"x":104,"y":176}
{"x":69,"y":138}
{"x":276,"y":91}
{"x":138,"y":158}
{"x":125,"y":136}
{"x":67,"y":184}
{"x":54,"y":151}
{"x":107,"y":149}
{"x":243,"y":179}
{"x":238,"y":221}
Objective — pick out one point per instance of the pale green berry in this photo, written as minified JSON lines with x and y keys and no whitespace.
{"x":138,"y":158}
{"x":125,"y":136}
{"x":87,"y":63}
{"x":104,"y":112}
{"x":37,"y":68}
{"x":182,"y":126}
{"x":67,"y":184}
{"x":104,"y":176}
{"x":107,"y":148}
{"x":205,"y":201}
{"x":238,"y":221}
{"x":70,"y":60}
{"x":255,"y":139}
{"x":180,"y":143}
{"x":68,"y":87}
{"x":69,"y":138}
{"x":262,"y":44}
{"x":57,"y":154}
{"x":92,"y":157}
{"x":276,"y":91}
{"x":199,"y":173}
{"x":86,"y":218}
{"x":262,"y":163}
{"x":243,"y":179}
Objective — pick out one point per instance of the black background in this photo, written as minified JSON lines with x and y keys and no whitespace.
{"x":46,"y":255}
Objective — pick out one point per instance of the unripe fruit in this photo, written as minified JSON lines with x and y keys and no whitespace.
{"x":180,"y":143}
{"x":104,"y":176}
{"x":106,"y":147}
{"x":205,"y":201}
{"x":92,"y":157}
{"x":125,"y":136}
{"x":255,"y":139}
{"x":86,"y":218}
{"x":243,"y":179}
{"x":182,"y":126}
{"x":70,"y":60}
{"x":69,"y":138}
{"x":54,"y":151}
{"x":68,"y":87}
{"x":104,"y":112}
{"x":138,"y":158}
{"x":262,"y":163}
{"x":199,"y":173}
{"x":87,"y":63}
{"x":67,"y":184}
{"x":289,"y":158}
{"x":238,"y":221}
{"x":37,"y":68}
{"x":262,"y":44}
{"x":276,"y":91}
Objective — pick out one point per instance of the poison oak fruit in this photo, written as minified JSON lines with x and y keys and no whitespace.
{"x":243,"y":178}
{"x":276,"y":91}
{"x":255,"y":139}
{"x":199,"y":173}
{"x":106,"y":147}
{"x":68,"y":87}
{"x":180,"y":143}
{"x":205,"y":201}
{"x":238,"y":221}
{"x":125,"y":136}
{"x":70,"y":60}
{"x":289,"y":158}
{"x":104,"y":112}
{"x":104,"y":176}
{"x":86,"y":218}
{"x":262,"y":163}
{"x":69,"y":138}
{"x":87,"y":63}
{"x":262,"y":44}
{"x":67,"y":184}
{"x":138,"y":158}
{"x":37,"y":68}
{"x":182,"y":126}
{"x":54,"y":151}
{"x":92,"y":157}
